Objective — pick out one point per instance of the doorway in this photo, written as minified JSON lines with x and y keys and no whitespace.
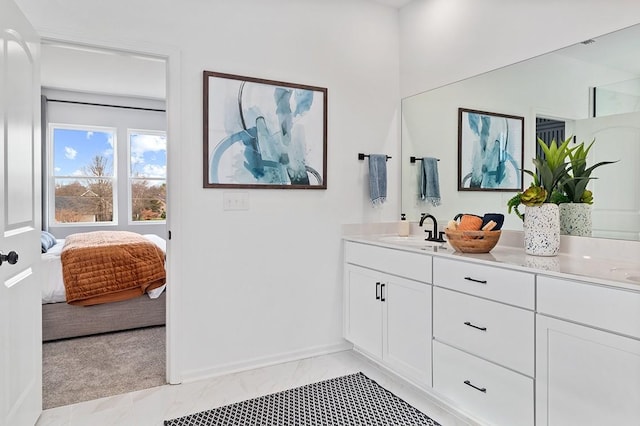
{"x":99,"y":79}
{"x":548,"y":130}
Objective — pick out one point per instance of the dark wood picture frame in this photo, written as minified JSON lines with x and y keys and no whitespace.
{"x":261,"y":133}
{"x":490,"y":151}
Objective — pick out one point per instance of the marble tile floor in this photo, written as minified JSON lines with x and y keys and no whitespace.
{"x":150,"y":407}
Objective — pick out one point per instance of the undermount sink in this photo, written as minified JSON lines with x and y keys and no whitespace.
{"x":411,"y":240}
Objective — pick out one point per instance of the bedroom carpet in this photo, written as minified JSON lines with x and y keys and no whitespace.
{"x":93,"y":367}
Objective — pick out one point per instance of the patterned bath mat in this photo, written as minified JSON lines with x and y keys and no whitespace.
{"x":344,"y":401}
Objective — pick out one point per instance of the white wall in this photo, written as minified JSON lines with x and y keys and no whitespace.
{"x":263,"y":284}
{"x":442,"y":41}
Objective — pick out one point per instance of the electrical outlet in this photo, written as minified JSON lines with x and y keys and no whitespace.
{"x":235,"y":201}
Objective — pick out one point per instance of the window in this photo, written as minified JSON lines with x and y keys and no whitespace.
{"x":83,"y":174}
{"x":147,"y":175}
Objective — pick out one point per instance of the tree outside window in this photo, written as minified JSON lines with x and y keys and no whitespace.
{"x":83,"y":174}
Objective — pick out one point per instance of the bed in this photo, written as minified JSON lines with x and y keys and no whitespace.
{"x":61,"y":320}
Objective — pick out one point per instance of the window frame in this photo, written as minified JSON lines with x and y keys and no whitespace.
{"x":52,"y":177}
{"x":130,"y":178}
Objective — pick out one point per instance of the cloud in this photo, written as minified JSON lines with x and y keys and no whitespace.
{"x":70,"y":153}
{"x":57,"y":169}
{"x":89,"y":135}
{"x":154,"y":171}
{"x":141,"y":144}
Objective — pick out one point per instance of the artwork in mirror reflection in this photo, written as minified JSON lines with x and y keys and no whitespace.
{"x":490,"y":151}
{"x":559,"y":86}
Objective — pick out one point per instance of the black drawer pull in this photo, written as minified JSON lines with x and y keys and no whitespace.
{"x":475,"y":326}
{"x":383,"y":298}
{"x":475,"y":281}
{"x":378,"y":291}
{"x":468,"y":383}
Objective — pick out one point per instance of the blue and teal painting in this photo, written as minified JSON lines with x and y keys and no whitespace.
{"x":491,"y":148}
{"x":263,"y":134}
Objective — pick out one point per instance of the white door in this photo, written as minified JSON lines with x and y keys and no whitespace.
{"x":616,"y":198}
{"x":364,"y":316}
{"x":585,"y":376}
{"x":408,"y":329}
{"x":20,"y":309}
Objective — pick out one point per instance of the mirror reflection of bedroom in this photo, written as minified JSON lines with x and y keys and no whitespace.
{"x":104,"y":222}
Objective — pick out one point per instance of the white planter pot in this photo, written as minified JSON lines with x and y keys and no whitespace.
{"x":575,"y":219}
{"x":542,"y":230}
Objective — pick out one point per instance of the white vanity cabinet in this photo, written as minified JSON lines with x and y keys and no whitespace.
{"x":484,"y":331}
{"x":388,"y":308}
{"x":587,"y":354}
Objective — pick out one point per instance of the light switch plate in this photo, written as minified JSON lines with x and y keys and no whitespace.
{"x":235,"y":200}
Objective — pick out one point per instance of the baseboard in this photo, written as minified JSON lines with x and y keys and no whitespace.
{"x":251,"y":364}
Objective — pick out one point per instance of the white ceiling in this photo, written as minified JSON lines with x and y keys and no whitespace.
{"x":615,"y":50}
{"x":79,"y":68}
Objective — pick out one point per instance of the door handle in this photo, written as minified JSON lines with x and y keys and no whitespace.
{"x":383,"y":298}
{"x":11,"y":258}
{"x":378,"y":290}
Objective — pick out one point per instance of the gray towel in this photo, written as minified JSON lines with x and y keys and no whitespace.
{"x":430,"y":181}
{"x":378,"y":178}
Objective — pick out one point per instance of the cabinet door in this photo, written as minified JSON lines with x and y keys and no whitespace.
{"x":585,"y":376}
{"x":408,"y":329}
{"x":364,"y":315}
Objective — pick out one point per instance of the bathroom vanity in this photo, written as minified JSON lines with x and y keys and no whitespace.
{"x":505,"y":338}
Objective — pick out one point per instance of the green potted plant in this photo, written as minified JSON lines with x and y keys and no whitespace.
{"x":542,"y":217}
{"x":552,"y":169}
{"x":574,"y":198}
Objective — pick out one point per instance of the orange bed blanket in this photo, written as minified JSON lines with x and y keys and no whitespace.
{"x":110,"y":266}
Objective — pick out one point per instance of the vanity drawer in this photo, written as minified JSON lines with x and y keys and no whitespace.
{"x":500,"y":333}
{"x":507,"y":398}
{"x":612,"y":309}
{"x":504,"y":285}
{"x":397,"y":262}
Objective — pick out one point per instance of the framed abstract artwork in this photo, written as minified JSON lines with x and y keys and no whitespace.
{"x":263,"y":133}
{"x":490,"y":151}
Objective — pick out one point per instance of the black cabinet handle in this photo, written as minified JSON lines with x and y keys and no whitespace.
{"x":468,"y":383}
{"x":475,"y":281}
{"x":475,"y":326}
{"x":378,"y":291}
{"x":382,"y":295}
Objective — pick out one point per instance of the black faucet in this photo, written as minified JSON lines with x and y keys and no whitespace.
{"x":434,"y":235}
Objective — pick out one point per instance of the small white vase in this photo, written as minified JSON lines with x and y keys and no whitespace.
{"x":575,"y":219}
{"x":542,"y":230}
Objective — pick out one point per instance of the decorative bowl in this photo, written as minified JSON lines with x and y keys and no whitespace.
{"x":472,"y":241}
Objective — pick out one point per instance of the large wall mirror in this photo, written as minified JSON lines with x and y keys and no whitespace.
{"x":592,"y":89}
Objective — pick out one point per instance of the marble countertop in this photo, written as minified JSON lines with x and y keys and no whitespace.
{"x":579,"y":266}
